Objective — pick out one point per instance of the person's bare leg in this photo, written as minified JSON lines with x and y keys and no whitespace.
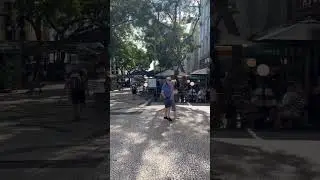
{"x":165,"y":112}
{"x":168,"y":113}
{"x":174,"y":111}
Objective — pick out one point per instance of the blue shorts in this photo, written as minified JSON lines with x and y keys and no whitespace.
{"x":167,"y":103}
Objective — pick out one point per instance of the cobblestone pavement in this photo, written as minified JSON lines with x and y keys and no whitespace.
{"x":39,"y":140}
{"x":265,"y":155}
{"x":144,"y":146}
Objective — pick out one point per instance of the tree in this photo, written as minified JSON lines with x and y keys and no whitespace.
{"x":32,"y":11}
{"x":126,"y":16}
{"x":224,"y":10}
{"x":165,"y":35}
{"x":64,"y":17}
{"x":130,"y":57}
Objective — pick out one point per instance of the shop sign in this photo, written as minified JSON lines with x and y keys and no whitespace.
{"x":308,"y":8}
{"x":251,"y":62}
{"x":304,"y":4}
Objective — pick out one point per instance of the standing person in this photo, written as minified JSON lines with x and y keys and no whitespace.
{"x":85,"y":78}
{"x":134,"y":91}
{"x":292,"y":106}
{"x":166,"y":92}
{"x":76,"y":86}
{"x":174,"y":93}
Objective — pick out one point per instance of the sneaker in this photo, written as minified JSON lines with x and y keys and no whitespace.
{"x":169,"y":119}
{"x":165,"y":117}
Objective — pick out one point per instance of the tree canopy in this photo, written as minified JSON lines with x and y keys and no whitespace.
{"x":166,"y":27}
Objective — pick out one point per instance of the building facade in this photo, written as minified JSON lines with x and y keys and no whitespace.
{"x":204,"y":50}
{"x":191,"y":63}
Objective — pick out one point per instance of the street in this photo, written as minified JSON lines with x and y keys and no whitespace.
{"x":144,"y":146}
{"x":39,"y":140}
{"x":265,"y":155}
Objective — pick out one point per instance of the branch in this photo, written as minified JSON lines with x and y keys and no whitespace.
{"x":193,"y":30}
{"x":218,"y":20}
{"x":30,"y":20}
{"x":123,"y":22}
{"x":171,"y":18}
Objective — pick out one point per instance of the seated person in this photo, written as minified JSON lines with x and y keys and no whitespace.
{"x":192,"y":94}
{"x":201,"y":95}
{"x":292,"y":105}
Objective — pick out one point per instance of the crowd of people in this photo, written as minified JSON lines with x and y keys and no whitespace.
{"x":186,"y":92}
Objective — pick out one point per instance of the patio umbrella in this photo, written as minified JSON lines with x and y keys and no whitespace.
{"x":307,"y":30}
{"x":204,"y":71}
{"x":139,"y":73}
{"x":169,"y":72}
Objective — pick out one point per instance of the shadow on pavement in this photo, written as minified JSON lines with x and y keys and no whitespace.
{"x":244,"y":162}
{"x":268,"y":135}
{"x":289,"y":135}
{"x":241,"y":134}
{"x":159,"y":149}
{"x":41,"y":135}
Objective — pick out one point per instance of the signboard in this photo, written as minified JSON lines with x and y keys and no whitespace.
{"x":251,"y":62}
{"x":305,"y":4}
{"x":152,"y":83}
{"x":308,"y":8}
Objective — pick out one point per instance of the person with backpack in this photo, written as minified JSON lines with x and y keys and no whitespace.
{"x":77,"y":89}
{"x":167,"y":93}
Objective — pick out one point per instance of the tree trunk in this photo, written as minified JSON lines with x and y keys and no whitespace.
{"x":37,"y":57}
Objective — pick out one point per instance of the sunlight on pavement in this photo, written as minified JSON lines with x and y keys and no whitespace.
{"x":4,"y":137}
{"x":145,"y":146}
{"x":271,"y":159}
{"x":155,"y":160}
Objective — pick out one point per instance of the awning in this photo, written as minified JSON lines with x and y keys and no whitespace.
{"x":308,"y":30}
{"x":34,"y":47}
{"x":139,"y":73}
{"x":203,"y":71}
{"x":169,"y":72}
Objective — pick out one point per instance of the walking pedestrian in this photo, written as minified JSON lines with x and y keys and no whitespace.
{"x":134,"y":91}
{"x":166,"y":92}
{"x":76,"y":86}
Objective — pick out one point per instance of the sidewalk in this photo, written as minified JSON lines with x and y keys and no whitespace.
{"x":32,"y":133}
{"x":54,"y":86}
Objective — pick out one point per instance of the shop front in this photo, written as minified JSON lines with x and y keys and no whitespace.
{"x":295,"y":48}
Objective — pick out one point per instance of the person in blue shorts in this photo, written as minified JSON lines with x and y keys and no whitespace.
{"x":166,"y":92}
